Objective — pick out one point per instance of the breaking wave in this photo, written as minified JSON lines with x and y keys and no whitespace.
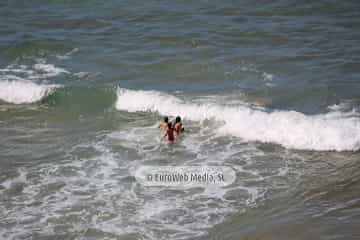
{"x":331,"y":131}
{"x":19,"y":84}
{"x":22,"y":91}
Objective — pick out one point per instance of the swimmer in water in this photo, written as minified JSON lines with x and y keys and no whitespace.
{"x":178,"y":127}
{"x":169,"y":134}
{"x":164,"y":124}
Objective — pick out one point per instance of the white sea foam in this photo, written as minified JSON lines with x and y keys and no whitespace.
{"x":331,"y":131}
{"x":19,"y":83}
{"x":48,"y":70}
{"x":67,"y":55}
{"x":20,"y":178}
{"x":22,"y":69}
{"x":19,"y":91}
{"x":267,"y":76}
{"x":347,"y":107}
{"x":82,"y":74}
{"x":40,"y":70}
{"x":68,"y":191}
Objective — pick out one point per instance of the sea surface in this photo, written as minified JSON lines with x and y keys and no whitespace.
{"x":270,"y":89}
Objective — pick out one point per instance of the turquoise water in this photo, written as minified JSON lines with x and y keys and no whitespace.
{"x":270,"y":89}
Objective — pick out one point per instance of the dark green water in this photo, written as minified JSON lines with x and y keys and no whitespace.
{"x":269,"y":88}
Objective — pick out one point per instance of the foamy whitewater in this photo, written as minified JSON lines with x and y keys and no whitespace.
{"x":22,"y":91}
{"x":48,"y":70}
{"x":332,"y":131}
{"x":18,"y":82}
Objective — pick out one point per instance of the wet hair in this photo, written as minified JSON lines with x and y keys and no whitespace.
{"x":178,"y":119}
{"x":166,"y":119}
{"x":169,"y":125}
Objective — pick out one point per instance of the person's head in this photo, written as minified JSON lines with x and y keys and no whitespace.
{"x":166,"y":119}
{"x":177,"y":119}
{"x":169,"y":125}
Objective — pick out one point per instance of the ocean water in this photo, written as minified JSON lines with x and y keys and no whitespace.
{"x":270,"y":89}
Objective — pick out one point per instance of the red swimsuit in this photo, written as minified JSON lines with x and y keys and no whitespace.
{"x":170,"y":135}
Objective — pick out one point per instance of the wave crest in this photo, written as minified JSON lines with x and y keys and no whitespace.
{"x":21,"y":91}
{"x":18,"y":83}
{"x":323,"y":132}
